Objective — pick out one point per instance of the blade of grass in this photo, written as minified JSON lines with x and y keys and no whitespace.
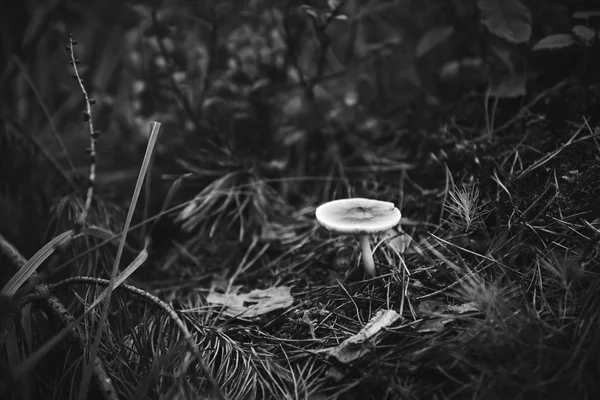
{"x":34,"y":262}
{"x":88,"y":370}
{"x":147,"y":194}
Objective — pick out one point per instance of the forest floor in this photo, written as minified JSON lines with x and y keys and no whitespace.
{"x":492,"y":278}
{"x":489,"y":288}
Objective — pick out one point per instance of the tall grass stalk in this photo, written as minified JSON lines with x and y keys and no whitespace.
{"x":88,"y":370}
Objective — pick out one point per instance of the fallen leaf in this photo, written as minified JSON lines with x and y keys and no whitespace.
{"x":464,"y":308}
{"x":253,"y":304}
{"x":428,"y":307}
{"x":440,"y":314}
{"x":353,"y":348}
{"x":397,"y":239}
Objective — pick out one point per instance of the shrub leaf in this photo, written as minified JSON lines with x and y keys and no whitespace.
{"x":508,"y":19}
{"x":433,"y":38}
{"x":557,"y":41}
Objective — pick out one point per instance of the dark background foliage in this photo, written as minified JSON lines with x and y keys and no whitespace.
{"x":281,"y":89}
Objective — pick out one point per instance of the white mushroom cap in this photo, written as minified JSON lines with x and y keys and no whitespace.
{"x":358,"y":216}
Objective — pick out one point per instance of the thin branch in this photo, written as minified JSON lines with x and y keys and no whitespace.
{"x":87,"y":116}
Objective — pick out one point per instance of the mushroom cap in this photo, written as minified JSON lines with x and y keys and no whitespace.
{"x":356,"y":216}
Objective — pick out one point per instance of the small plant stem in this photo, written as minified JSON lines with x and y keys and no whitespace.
{"x":91,"y":151}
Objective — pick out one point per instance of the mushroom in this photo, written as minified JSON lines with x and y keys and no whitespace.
{"x":361,"y":217}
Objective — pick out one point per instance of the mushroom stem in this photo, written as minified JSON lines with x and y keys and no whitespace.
{"x":367,"y":256}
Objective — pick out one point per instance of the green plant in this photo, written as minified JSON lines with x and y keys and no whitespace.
{"x":509,"y":20}
{"x":465,"y":209}
{"x":584,"y":36}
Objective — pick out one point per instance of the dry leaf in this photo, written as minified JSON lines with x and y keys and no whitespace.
{"x":253,"y":304}
{"x":464,"y":308}
{"x":353,"y":348}
{"x":428,"y":307}
{"x":397,"y":239}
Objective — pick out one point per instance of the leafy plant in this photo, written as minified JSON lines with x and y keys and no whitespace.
{"x":507,"y":19}
{"x":581,"y":35}
{"x":465,"y":209}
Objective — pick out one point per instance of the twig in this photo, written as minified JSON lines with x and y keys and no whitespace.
{"x":87,"y":117}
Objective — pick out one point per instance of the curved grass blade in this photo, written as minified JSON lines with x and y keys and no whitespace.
{"x":34,"y":262}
